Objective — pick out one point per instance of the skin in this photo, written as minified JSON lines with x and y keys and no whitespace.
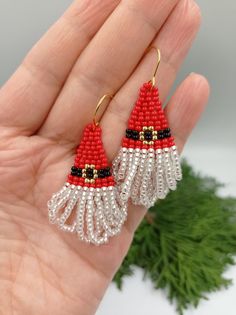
{"x":96,"y":47}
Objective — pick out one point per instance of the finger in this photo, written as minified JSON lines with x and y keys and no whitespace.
{"x":183,"y":112}
{"x":27,"y":97}
{"x":174,"y":40}
{"x":105,"y":64}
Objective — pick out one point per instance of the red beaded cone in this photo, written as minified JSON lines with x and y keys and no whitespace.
{"x":90,"y":193}
{"x":147,"y":165}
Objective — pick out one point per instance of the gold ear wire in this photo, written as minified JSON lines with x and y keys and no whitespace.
{"x":153,"y":79}
{"x":95,"y":120}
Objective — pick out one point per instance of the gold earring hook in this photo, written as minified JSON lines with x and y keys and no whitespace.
{"x":153,"y":79}
{"x":95,"y":120}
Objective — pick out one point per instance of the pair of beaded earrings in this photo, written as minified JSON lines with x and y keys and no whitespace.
{"x":147,"y":166}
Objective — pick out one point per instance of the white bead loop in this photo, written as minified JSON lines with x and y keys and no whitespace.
{"x":146,"y":175}
{"x":99,"y":213}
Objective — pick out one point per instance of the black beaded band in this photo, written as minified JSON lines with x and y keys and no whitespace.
{"x":90,"y":173}
{"x":148,"y":134}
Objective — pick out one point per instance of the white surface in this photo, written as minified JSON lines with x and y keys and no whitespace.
{"x":138,"y":297}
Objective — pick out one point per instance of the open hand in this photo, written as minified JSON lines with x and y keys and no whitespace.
{"x":95,"y":48}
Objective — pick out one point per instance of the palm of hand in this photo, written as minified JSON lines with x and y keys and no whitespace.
{"x":38,"y":260}
{"x":43,"y":270}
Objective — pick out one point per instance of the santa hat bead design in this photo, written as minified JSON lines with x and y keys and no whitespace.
{"x":147,"y":165}
{"x":89,"y":194}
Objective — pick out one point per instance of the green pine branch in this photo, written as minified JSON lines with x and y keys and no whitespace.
{"x":186,"y":241}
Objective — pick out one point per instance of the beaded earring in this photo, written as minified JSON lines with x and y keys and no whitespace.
{"x":147,"y":165}
{"x":89,"y":203}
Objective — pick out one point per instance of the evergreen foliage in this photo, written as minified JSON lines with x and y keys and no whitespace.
{"x":186,"y":242}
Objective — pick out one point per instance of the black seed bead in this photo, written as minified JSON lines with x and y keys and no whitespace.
{"x":135,"y":135}
{"x":129,"y":133}
{"x":107,"y":171}
{"x":104,"y":172}
{"x":167,"y":133}
{"x":148,"y":135}
{"x":79,"y":172}
{"x":132,"y":134}
{"x":74,"y":171}
{"x":89,"y":173}
{"x":101,"y":173}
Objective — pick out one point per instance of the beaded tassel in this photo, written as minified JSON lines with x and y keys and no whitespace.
{"x":90,"y":193}
{"x":147,"y":165}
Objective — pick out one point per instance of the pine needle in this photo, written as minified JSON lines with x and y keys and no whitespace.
{"x":186,"y":242}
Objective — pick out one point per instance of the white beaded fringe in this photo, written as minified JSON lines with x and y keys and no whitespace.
{"x":146,"y":175}
{"x":100,"y":213}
